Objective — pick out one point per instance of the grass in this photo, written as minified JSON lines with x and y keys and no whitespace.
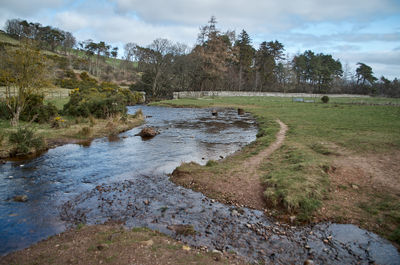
{"x":73,"y":129}
{"x":296,"y":174}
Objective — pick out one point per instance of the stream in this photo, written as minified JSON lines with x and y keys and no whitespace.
{"x":125,"y":179}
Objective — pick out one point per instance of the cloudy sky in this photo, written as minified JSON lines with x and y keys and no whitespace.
{"x":353,"y":31}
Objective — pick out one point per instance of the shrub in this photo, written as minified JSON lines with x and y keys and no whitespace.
{"x":35,"y":109}
{"x":103,"y":102}
{"x":4,"y":111}
{"x":26,"y":140}
{"x":58,"y":122}
{"x":325,"y":99}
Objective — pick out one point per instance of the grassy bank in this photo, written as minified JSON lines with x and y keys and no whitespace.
{"x":112,"y":244}
{"x":338,"y":162}
{"x":69,"y":129}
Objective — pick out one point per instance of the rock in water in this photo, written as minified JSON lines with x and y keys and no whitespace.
{"x":240,"y":111}
{"x":21,"y":198}
{"x":214,"y":112}
{"x":148,"y":132}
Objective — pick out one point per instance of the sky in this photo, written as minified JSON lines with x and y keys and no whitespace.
{"x":353,"y":31}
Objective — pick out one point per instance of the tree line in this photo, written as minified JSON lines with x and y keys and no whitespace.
{"x":218,"y":61}
{"x":226,"y":61}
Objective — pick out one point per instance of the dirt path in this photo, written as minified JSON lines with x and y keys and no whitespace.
{"x":238,"y":185}
{"x":255,"y":161}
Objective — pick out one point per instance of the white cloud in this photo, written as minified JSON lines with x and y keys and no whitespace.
{"x":30,"y":7}
{"x":384,"y":63}
{"x":255,"y":14}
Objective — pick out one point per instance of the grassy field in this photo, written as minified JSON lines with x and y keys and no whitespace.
{"x":325,"y":169}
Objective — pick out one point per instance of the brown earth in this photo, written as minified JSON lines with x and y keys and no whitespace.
{"x":239,"y":185}
{"x":365,"y":190}
{"x":112,"y":244}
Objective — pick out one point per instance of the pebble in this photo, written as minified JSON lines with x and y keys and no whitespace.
{"x":308,"y":262}
{"x":235,"y":213}
{"x":326,"y":241}
{"x":215,"y":251}
{"x":11,"y":177}
{"x":146,"y":202}
{"x":307,"y":247}
{"x":21,"y":198}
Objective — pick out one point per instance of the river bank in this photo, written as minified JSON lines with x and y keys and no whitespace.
{"x":338,"y":163}
{"x":113,"y":244}
{"x":70,"y":130}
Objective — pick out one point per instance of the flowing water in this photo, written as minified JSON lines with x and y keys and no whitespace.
{"x":125,"y":179}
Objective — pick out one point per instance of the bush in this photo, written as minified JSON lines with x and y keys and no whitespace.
{"x":26,"y":140}
{"x":325,"y":99}
{"x":36,"y":108}
{"x":100,"y":102}
{"x":4,"y":111}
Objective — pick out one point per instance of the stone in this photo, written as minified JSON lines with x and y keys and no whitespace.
{"x":292,"y":219}
{"x":11,"y":177}
{"x":215,"y":251}
{"x":308,"y":262}
{"x":148,"y":132}
{"x":354,"y":186}
{"x":214,"y":112}
{"x":148,"y":243}
{"x":21,"y":198}
{"x":146,"y":202}
{"x":240,"y":111}
{"x":187,"y":248}
{"x":235,"y":213}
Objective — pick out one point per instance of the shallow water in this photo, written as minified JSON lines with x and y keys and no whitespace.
{"x":66,"y":171}
{"x":125,"y":179}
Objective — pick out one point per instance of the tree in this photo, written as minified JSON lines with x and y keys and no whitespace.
{"x":364,"y":73}
{"x":266,"y":62}
{"x":114,"y":52}
{"x":23,"y":71}
{"x":316,"y":70}
{"x":246,"y":54}
{"x":155,"y":60}
{"x":213,"y":54}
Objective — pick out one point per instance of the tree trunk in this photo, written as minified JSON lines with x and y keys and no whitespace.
{"x":240,"y":77}
{"x":15,"y":117}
